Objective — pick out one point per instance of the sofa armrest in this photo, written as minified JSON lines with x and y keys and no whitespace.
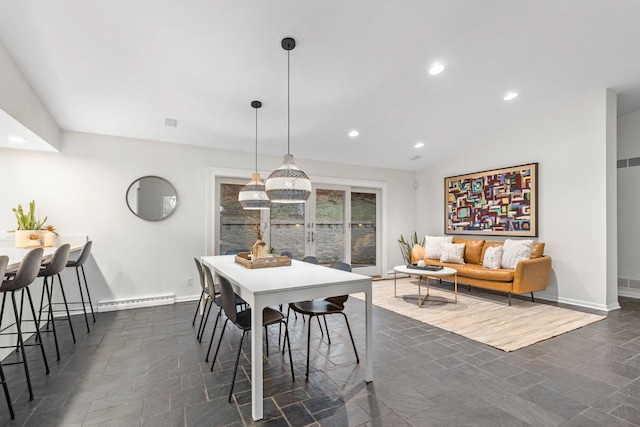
{"x":532,"y":275}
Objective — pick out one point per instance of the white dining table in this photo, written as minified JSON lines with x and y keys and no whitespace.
{"x":16,"y":255}
{"x":300,"y":281}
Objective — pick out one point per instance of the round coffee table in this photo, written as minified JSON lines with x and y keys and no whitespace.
{"x":445,"y":271}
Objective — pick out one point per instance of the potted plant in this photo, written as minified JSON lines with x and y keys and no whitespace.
{"x":406,"y":246}
{"x":27,"y":224}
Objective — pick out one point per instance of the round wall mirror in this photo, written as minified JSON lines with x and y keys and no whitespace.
{"x":152,"y":198}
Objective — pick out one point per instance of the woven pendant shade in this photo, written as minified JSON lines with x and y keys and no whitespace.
{"x":288,"y":184}
{"x":252,"y":196}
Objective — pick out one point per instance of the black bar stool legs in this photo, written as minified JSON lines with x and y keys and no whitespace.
{"x":6,"y":392}
{"x":26,"y":274}
{"x":84,"y":307}
{"x":79,"y":265}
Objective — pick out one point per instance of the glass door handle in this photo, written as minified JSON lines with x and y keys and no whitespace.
{"x":313,"y":236}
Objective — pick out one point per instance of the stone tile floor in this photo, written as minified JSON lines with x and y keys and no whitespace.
{"x":143,"y":367}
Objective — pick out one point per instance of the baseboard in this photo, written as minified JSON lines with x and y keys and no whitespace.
{"x":578,"y":303}
{"x":629,"y":292}
{"x":125,"y":304}
{"x":188,"y":298}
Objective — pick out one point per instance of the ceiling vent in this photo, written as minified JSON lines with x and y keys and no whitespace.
{"x":172,"y":123}
{"x":415,"y":158}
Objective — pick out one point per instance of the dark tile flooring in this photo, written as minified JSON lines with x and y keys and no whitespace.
{"x":143,"y":367}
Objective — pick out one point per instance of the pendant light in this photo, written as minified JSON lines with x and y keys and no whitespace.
{"x":252,"y":196}
{"x":288,"y":184}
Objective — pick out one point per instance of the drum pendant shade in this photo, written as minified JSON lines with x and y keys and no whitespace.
{"x":253,"y":196}
{"x":288,"y":184}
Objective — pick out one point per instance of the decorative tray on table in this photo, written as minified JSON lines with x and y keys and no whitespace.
{"x":426,"y":267}
{"x":275,"y":261}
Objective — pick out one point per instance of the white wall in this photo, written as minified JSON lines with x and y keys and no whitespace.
{"x":570,"y":145}
{"x":82,"y":190}
{"x":628,"y":206}
{"x":19,"y":100}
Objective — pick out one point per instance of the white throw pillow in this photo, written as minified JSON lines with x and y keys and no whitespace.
{"x":453,"y":253}
{"x":492,"y":257}
{"x":433,"y":245}
{"x":514,"y":251}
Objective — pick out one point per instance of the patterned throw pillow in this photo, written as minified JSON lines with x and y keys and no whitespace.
{"x":493,"y":257}
{"x":433,"y":245}
{"x":514,"y":251}
{"x":453,"y":253}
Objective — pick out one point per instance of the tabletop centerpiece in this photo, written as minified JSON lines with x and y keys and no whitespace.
{"x":27,"y":225}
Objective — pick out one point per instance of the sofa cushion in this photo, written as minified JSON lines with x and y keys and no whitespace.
{"x":477,"y":271}
{"x":472,"y":250}
{"x":538,"y":250}
{"x":453,"y":253}
{"x":488,"y":244}
{"x":514,"y":251}
{"x":433,"y":245}
{"x":492,"y":258}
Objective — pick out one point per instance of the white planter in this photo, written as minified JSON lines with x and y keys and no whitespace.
{"x":22,"y":237}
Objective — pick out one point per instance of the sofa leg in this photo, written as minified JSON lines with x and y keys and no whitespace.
{"x":532,"y":299}
{"x":509,"y":298}
{"x":469,"y":286}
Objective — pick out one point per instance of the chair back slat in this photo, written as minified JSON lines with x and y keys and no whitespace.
{"x":27,"y":272}
{"x":84,"y":255}
{"x":4,"y":261}
{"x":228,"y":298}
{"x":209,"y":281}
{"x":339,"y":300}
{"x":58,"y":261}
{"x":200,"y":273}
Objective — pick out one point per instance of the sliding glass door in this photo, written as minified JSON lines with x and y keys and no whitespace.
{"x":338,"y":223}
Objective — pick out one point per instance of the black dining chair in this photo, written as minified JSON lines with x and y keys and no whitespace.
{"x":26,"y":274}
{"x":242,"y":320}
{"x":310,"y":259}
{"x":324,"y":307}
{"x":211,"y":286}
{"x":4,"y":261}
{"x":50,"y":271}
{"x":78,"y":264}
{"x":236,"y":251}
{"x":204,"y":296}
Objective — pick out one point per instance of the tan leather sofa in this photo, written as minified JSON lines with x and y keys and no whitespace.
{"x":531,"y":275}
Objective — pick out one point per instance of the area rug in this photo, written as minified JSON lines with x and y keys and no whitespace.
{"x":479,"y":315}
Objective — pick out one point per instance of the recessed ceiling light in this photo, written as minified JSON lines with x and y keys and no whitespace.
{"x":511,"y":95}
{"x":436,"y":68}
{"x":17,"y":139}
{"x":419,"y":144}
{"x":354,"y":133}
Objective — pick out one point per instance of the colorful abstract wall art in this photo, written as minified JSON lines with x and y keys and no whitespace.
{"x":499,"y":202}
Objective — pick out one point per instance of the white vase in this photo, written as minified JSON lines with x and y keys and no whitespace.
{"x":22,"y":237}
{"x":49,"y":239}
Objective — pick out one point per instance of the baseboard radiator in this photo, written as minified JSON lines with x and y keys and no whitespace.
{"x":125,"y":304}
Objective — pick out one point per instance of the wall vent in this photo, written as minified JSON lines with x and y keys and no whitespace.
{"x":125,"y":304}
{"x":633,"y":161}
{"x":172,"y":123}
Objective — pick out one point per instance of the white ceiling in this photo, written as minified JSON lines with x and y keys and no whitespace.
{"x":119,"y":67}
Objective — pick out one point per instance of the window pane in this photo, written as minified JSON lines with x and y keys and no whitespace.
{"x":363,"y":229}
{"x":237,"y":226}
{"x":287,"y":228}
{"x":329,"y":226}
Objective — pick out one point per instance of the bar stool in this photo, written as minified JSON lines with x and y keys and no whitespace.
{"x":26,"y":274}
{"x":50,"y":270}
{"x":79,"y":265}
{"x":4,"y":260}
